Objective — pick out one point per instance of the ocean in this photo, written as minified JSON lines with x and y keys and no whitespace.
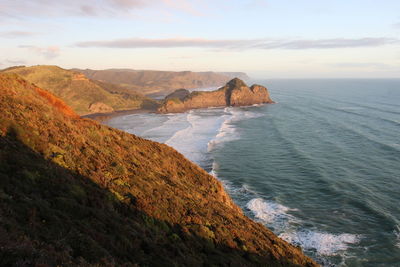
{"x":320,"y":168}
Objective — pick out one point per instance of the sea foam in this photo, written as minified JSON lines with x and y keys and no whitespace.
{"x":325,"y":244}
{"x":271,"y":213}
{"x":192,"y":141}
{"x":277,"y":216}
{"x":397,"y":235}
{"x":228,"y":131}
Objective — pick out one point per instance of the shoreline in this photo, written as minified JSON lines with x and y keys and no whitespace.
{"x":101,"y":117}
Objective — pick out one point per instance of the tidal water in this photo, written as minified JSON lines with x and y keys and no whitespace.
{"x":321,"y":167}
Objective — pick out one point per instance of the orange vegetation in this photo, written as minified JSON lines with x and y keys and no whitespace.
{"x":56,"y":102}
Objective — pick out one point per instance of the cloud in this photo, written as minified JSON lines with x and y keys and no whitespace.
{"x":16,"y":61}
{"x":164,"y":43}
{"x":184,"y":6}
{"x":329,"y":43}
{"x":396,"y":25}
{"x":239,"y":44}
{"x":16,"y":34}
{"x":51,"y":8}
{"x":87,"y":8}
{"x":48,"y":52}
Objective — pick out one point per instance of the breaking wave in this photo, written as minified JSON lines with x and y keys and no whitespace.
{"x":325,"y":244}
{"x":277,"y":217}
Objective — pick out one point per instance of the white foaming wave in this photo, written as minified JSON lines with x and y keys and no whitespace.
{"x":271,"y":213}
{"x":192,"y":141}
{"x":162,"y":132}
{"x":214,"y":169}
{"x":324,"y":244}
{"x":227,"y":131}
{"x":397,"y":235}
{"x":276,"y":216}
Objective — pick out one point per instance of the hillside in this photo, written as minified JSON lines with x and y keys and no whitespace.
{"x":85,"y":96}
{"x":151,"y":82}
{"x":77,"y":193}
{"x":234,"y":93}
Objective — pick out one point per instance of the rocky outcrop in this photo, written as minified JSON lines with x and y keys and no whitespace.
{"x":100,"y":107}
{"x":234,"y":93}
{"x":179,"y":94}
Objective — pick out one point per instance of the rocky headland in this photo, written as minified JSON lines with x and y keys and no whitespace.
{"x":234,"y":93}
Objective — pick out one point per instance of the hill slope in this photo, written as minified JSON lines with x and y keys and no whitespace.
{"x":74,"y":192}
{"x":160,"y":82}
{"x":234,"y":93}
{"x":85,"y":96}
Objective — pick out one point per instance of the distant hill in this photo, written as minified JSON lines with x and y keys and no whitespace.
{"x":84,"y":95}
{"x":77,"y":193}
{"x":151,"y":82}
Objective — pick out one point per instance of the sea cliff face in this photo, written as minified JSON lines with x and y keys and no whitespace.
{"x":234,"y":93}
{"x":77,"y":193}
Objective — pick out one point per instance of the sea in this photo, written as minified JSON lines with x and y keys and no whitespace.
{"x":320,"y":167}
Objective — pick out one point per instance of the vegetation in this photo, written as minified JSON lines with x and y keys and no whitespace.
{"x":80,"y":92}
{"x":77,"y":193}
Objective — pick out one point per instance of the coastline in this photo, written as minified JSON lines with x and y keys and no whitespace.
{"x":101,"y":117}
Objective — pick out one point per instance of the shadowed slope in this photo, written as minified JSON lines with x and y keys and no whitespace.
{"x":75,"y":192}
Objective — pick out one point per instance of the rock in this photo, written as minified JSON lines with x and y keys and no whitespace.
{"x":234,"y":93}
{"x":180,"y":94}
{"x":99,"y":107}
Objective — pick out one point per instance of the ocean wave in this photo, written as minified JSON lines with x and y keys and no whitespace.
{"x":228,"y":131}
{"x":185,"y":140}
{"x":324,"y":244}
{"x":277,"y":217}
{"x":397,"y":235}
{"x":214,"y":169}
{"x":271,"y":213}
{"x":193,"y":140}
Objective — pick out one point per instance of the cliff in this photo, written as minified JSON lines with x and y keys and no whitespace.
{"x":84,"y":95}
{"x":77,"y":193}
{"x":234,"y":93}
{"x":159,"y":83}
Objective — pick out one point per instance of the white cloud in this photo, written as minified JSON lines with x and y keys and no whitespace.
{"x":16,"y":61}
{"x":48,"y":52}
{"x":88,"y":8}
{"x":240,"y":44}
{"x":16,"y":34}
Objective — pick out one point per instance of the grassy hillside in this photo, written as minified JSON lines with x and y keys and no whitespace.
{"x":77,"y":193}
{"x":160,"y":82}
{"x":85,"y":96}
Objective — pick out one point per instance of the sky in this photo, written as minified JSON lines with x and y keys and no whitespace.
{"x":264,"y":38}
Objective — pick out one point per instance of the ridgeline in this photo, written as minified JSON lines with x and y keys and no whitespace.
{"x":84,"y":95}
